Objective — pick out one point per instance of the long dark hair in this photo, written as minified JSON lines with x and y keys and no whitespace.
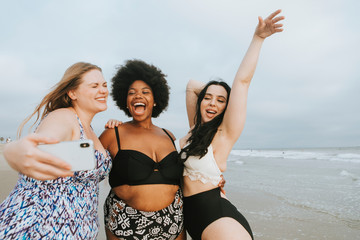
{"x":203,"y":133}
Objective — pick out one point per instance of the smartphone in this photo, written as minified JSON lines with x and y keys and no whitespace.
{"x":79,"y":153}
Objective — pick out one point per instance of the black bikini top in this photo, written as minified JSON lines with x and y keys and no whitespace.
{"x":132,"y":167}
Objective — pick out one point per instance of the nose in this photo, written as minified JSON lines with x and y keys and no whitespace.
{"x":212,"y":102}
{"x":138,"y":95}
{"x":104,"y":90}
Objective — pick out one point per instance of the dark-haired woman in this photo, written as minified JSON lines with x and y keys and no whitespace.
{"x":217,"y":119}
{"x":145,"y":201}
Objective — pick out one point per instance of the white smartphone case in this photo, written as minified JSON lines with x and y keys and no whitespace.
{"x":79,"y":153}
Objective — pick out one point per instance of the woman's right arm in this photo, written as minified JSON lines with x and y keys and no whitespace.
{"x":193,"y":88}
{"x":24,"y":156}
{"x":235,"y":115}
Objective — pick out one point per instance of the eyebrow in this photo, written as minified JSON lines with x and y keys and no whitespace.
{"x":216,"y":95}
{"x":141,"y":88}
{"x":96,"y":83}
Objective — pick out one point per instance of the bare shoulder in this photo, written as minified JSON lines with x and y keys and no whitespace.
{"x":107,"y":137}
{"x":184,"y":139}
{"x":124,"y":126}
{"x":61,"y":115}
{"x":170,"y":133}
{"x":60,"y":123}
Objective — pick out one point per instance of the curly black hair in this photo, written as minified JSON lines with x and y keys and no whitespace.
{"x":134,"y":70}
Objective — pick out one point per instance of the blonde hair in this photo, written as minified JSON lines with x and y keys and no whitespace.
{"x":58,"y":97}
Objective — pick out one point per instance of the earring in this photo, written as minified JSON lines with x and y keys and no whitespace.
{"x":154,"y":104}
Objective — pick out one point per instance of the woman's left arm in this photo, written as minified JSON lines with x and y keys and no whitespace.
{"x":235,"y":115}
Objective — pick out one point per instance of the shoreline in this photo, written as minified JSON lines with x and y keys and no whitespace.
{"x":270,"y":216}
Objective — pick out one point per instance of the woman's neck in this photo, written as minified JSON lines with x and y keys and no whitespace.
{"x":85,"y":117}
{"x":147,"y":124}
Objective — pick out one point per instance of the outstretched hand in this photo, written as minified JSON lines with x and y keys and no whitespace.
{"x":268,"y":26}
{"x":24,"y":156}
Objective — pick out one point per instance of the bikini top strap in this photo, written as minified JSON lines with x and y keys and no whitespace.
{"x":117,"y":137}
{"x":172,"y":140}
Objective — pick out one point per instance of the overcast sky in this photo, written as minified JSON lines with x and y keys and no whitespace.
{"x":305,"y":92}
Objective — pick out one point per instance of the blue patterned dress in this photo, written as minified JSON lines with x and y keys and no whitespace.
{"x":64,"y":208}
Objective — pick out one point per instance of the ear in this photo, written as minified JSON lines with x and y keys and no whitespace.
{"x":72,"y":95}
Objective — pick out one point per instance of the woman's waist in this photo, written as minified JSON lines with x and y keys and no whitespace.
{"x":152,"y":197}
{"x":204,"y":177}
{"x":58,"y":187}
{"x":192,"y":187}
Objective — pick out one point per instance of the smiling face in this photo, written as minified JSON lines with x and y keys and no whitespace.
{"x":92,"y":93}
{"x":140,"y":100}
{"x":213,"y":103}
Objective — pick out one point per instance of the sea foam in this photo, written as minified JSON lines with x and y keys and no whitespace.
{"x":327,"y":155}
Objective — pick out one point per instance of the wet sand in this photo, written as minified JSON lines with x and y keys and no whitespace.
{"x":290,"y":221}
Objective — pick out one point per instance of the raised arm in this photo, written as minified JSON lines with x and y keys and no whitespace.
{"x":235,"y":115}
{"x":193,"y":88}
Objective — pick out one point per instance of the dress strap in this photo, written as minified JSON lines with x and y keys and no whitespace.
{"x":117,"y":137}
{"x":82,"y":132}
{"x":172,"y":140}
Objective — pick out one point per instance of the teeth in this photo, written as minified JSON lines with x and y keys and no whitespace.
{"x":210,"y":111}
{"x":101,"y":99}
{"x":139,"y":104}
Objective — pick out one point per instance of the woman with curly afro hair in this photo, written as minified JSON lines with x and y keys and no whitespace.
{"x":145,"y":201}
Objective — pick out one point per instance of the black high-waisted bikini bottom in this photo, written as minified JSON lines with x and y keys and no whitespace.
{"x":201,"y":209}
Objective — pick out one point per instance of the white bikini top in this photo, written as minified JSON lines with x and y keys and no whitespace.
{"x":204,"y":169}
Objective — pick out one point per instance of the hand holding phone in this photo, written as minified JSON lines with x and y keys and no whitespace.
{"x":79,"y":153}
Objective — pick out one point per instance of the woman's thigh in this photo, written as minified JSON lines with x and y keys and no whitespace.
{"x":225,"y":228}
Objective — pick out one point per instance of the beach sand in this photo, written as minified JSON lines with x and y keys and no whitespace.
{"x":271,"y":217}
{"x":304,"y":225}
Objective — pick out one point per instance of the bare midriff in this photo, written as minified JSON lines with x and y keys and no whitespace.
{"x":194,"y":187}
{"x":148,"y":198}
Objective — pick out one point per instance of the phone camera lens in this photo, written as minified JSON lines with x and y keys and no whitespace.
{"x":84,"y":145}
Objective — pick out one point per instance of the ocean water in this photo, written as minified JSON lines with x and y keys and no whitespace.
{"x":286,"y":194}
{"x":315,"y":187}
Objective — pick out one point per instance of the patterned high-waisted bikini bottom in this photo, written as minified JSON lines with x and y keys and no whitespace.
{"x":126,"y":222}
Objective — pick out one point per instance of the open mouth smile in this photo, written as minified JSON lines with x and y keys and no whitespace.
{"x":139,"y":108}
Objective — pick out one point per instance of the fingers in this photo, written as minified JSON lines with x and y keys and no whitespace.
{"x":112,"y":123}
{"x":261,"y":21}
{"x":44,"y":172}
{"x":275,"y":20}
{"x":277,"y":28}
{"x":44,"y":166}
{"x":24,"y":156}
{"x":53,"y":161}
{"x":38,"y":138}
{"x":271,"y":16}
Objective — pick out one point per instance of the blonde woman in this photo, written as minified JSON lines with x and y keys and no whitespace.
{"x":66,"y":206}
